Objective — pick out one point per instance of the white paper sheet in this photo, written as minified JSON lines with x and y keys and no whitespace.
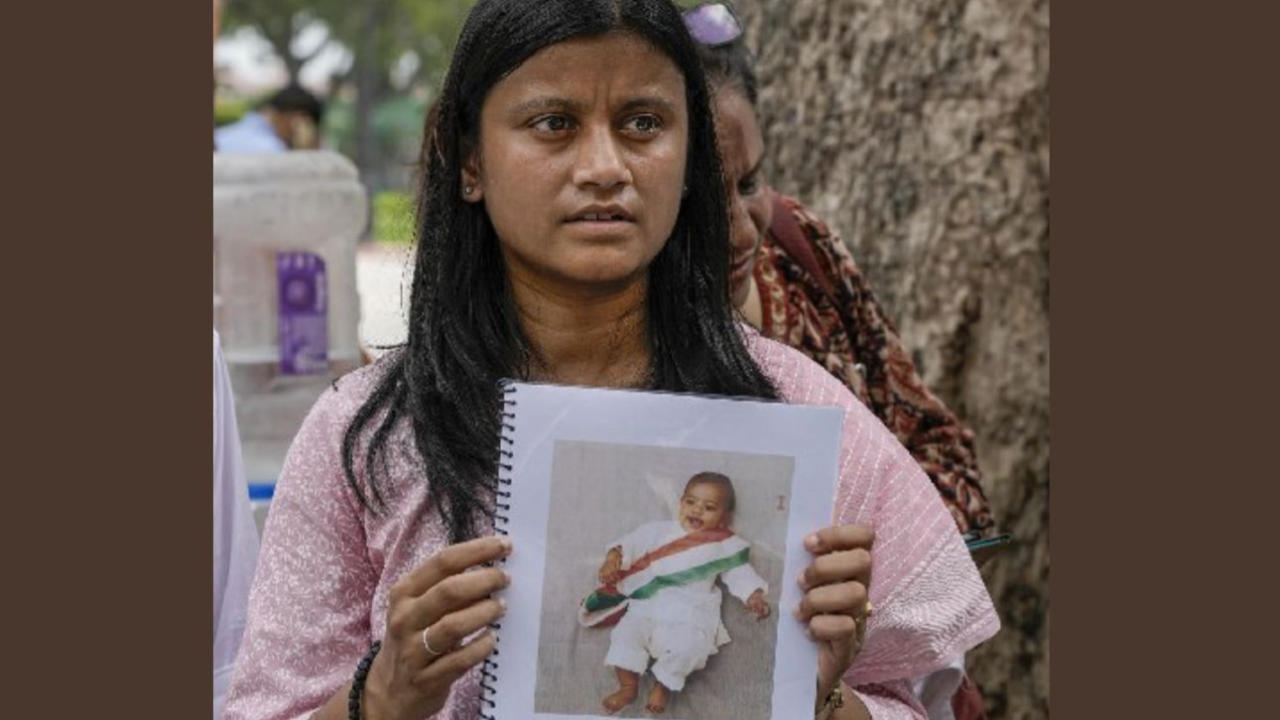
{"x":784,"y":461}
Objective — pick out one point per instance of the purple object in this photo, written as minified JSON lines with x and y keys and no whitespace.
{"x":304,"y":313}
{"x":712,"y":24}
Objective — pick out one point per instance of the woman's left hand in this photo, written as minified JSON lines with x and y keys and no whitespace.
{"x":835,"y":602}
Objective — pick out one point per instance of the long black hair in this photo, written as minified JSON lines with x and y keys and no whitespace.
{"x":464,"y":334}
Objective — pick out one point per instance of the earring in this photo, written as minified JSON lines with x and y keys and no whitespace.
{"x":685,"y":192}
{"x":467,"y":190}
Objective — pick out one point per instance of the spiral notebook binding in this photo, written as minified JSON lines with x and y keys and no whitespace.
{"x":501,"y":506}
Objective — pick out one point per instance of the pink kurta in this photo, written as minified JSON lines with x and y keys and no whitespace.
{"x":319,"y":599}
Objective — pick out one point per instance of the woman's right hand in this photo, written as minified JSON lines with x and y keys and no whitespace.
{"x":443,"y":601}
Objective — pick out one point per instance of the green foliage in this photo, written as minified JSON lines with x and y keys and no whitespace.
{"x":338,"y":128}
{"x":405,"y":44}
{"x":393,"y":217}
{"x":227,"y":110}
{"x":427,"y":28}
{"x":436,"y":26}
{"x":279,"y":21}
{"x":396,"y":121}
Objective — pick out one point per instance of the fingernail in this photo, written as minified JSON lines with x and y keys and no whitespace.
{"x":502,"y":606}
{"x":506,"y":578}
{"x":800,"y":581}
{"x":797,"y":614}
{"x":811,"y":542}
{"x":870,"y":609}
{"x":505,"y":542}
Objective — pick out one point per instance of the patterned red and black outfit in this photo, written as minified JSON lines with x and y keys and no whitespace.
{"x":815,"y":299}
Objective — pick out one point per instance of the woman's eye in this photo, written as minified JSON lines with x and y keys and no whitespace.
{"x":748,"y":185}
{"x":553,"y":124}
{"x":644,"y":124}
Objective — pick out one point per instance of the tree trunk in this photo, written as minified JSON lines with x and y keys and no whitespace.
{"x":366,"y":72}
{"x":920,"y":130}
{"x":366,"y":69}
{"x":281,"y":44}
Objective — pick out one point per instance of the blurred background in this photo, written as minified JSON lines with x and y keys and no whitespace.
{"x":375,"y":64}
{"x":918,"y":129}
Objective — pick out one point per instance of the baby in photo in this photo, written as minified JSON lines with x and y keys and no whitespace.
{"x":659,"y":587}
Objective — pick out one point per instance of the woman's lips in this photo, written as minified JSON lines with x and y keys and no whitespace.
{"x":601,"y":230}
{"x":602,"y":213}
{"x":610,"y":222}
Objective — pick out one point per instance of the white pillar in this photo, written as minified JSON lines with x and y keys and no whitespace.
{"x":263,"y":204}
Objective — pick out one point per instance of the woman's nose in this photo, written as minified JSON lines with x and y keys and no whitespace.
{"x":742,"y":232}
{"x":600,"y":163}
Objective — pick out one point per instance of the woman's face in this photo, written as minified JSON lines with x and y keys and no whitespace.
{"x":750,"y":211}
{"x":581,"y":162}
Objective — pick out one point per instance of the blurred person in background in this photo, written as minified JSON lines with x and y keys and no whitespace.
{"x":235,"y":536}
{"x":794,"y":280}
{"x":288,"y":120}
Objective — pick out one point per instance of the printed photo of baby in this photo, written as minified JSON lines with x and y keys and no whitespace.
{"x":660,"y":589}
{"x":652,"y":612}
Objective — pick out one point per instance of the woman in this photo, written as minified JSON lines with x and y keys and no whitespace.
{"x":572,"y":230}
{"x":795,"y":281}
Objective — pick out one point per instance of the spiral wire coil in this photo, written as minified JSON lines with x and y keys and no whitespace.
{"x":501,"y":506}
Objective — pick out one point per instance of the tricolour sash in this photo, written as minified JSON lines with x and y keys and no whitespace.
{"x":693,"y":557}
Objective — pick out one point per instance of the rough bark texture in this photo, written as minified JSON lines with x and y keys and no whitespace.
{"x":920,"y":130}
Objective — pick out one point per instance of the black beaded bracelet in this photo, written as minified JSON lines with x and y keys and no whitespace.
{"x":357,"y":682}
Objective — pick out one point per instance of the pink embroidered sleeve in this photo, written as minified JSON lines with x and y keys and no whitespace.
{"x":310,"y":602}
{"x":930,"y":602}
{"x":891,"y":701}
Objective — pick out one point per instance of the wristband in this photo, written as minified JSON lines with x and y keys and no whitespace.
{"x":357,"y":682}
{"x":835,"y":699}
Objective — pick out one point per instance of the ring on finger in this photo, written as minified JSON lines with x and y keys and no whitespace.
{"x":427,"y":645}
{"x":865,"y":617}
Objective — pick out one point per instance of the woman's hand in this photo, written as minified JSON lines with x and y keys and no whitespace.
{"x":835,"y":600}
{"x":444,"y":603}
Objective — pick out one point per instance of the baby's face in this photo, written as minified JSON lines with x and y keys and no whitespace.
{"x":703,"y":507}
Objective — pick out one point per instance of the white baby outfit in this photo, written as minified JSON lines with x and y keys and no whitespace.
{"x":679,"y":626}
